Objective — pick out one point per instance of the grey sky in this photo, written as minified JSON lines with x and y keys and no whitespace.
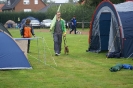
{"x":60,"y":1}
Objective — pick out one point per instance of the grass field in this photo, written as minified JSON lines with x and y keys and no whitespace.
{"x":79,"y":69}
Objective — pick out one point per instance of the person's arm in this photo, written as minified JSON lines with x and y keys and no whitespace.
{"x":32,"y":31}
{"x":72,"y":21}
{"x":22,"y":31}
{"x":64,"y":28}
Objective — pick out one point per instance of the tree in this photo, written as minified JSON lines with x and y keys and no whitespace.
{"x":69,"y":10}
{"x":80,"y":1}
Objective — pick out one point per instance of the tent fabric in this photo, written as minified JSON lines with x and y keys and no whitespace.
{"x":11,"y":56}
{"x":24,"y":19}
{"x":29,"y":17}
{"x":111,"y":28}
{"x":124,"y":7}
{"x":23,"y":45}
{"x":10,"y":24}
{"x":3,"y":29}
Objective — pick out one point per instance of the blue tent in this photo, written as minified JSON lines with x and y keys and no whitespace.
{"x":111,"y":28}
{"x":11,"y":56}
{"x":29,"y":17}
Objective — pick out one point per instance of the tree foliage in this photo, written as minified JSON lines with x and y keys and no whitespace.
{"x":69,"y":10}
{"x":83,"y":12}
{"x":5,"y":16}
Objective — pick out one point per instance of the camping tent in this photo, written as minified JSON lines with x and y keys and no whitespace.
{"x":111,"y":28}
{"x":2,"y":27}
{"x":29,"y":17}
{"x":10,"y":24}
{"x":11,"y":55}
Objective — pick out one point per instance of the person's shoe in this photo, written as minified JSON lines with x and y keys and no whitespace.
{"x":56,"y":54}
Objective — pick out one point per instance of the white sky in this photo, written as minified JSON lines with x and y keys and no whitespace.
{"x":60,"y":1}
{"x":56,"y":1}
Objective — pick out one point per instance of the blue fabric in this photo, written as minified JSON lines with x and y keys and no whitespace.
{"x":74,"y":21}
{"x":108,"y":5}
{"x":31,"y":18}
{"x":105,"y":19}
{"x":127,"y":23}
{"x":104,"y":42}
{"x":104,"y":27}
{"x":11,"y":56}
{"x":127,"y":66}
{"x":94,"y":44}
{"x":128,"y":47}
{"x":113,"y":54}
{"x":123,"y":43}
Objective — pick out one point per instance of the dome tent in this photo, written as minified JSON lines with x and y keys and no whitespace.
{"x":11,"y":54}
{"x":29,"y":17}
{"x":10,"y":24}
{"x":111,"y":28}
{"x":23,"y":20}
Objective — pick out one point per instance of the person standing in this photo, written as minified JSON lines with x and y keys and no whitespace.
{"x":73,"y":25}
{"x":27,"y":32}
{"x":58,"y":30}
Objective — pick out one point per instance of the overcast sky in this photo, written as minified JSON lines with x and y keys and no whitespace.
{"x":56,"y":1}
{"x":60,"y":1}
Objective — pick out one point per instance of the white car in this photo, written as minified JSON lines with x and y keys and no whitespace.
{"x":46,"y":23}
{"x":35,"y":23}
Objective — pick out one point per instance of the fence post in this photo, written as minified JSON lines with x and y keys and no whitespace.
{"x":82,"y":25}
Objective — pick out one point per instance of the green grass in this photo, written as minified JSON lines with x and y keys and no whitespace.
{"x":79,"y":69}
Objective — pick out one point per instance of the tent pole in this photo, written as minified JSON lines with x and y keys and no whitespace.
{"x":130,"y":56}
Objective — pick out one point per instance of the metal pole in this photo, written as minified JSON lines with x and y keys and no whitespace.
{"x":38,"y":49}
{"x":44,"y":51}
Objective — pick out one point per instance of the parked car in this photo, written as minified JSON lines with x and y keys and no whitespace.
{"x":35,"y":23}
{"x":46,"y":23}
